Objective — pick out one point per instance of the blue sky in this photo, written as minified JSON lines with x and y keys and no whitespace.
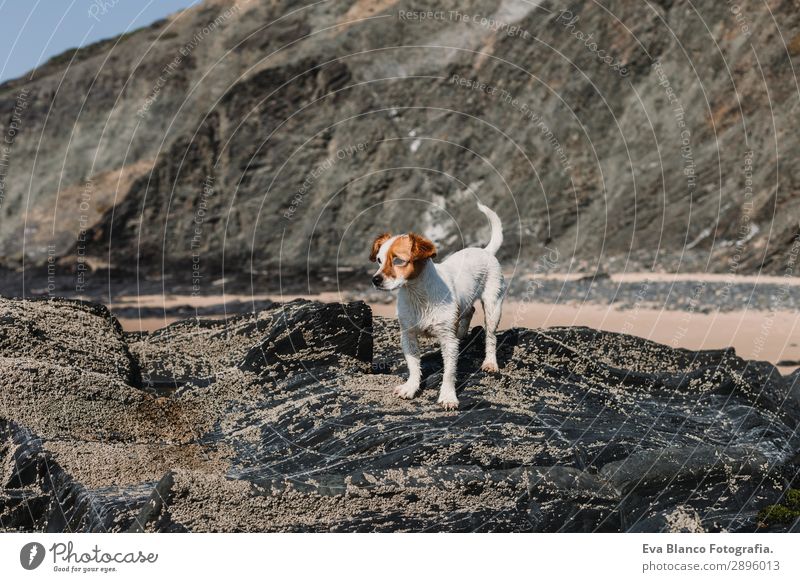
{"x":32,"y":31}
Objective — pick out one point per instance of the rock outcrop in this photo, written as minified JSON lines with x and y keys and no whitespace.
{"x":280,"y":135}
{"x":283,"y":420}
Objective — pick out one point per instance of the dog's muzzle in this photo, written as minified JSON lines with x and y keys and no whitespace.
{"x":377,"y":280}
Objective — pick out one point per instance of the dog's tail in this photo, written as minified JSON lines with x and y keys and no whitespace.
{"x":497,"y":229}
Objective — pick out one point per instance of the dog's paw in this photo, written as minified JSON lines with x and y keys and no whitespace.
{"x":490,"y":367}
{"x":406,"y":390}
{"x":448,"y":401}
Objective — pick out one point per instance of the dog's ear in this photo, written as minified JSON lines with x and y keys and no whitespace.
{"x":376,"y":246}
{"x":421,"y":248}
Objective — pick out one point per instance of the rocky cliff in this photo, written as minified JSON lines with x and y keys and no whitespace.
{"x":284,"y":420}
{"x":257,"y":136}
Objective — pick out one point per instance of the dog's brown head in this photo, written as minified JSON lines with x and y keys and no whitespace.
{"x":400,"y":258}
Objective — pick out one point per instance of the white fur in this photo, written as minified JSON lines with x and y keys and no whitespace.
{"x":497,"y":229}
{"x":388,"y":283}
{"x":440,"y":302}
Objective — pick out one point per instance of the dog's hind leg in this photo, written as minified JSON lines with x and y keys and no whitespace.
{"x":492,"y":300}
{"x":464,"y":321}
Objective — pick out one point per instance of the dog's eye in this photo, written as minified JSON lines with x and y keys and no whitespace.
{"x":398,"y":262}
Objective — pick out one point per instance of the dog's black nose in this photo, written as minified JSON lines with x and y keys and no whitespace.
{"x":377,"y":280}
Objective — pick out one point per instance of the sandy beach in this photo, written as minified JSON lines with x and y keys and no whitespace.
{"x":755,"y":334}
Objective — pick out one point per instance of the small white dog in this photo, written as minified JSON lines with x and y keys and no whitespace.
{"x":439,"y":300}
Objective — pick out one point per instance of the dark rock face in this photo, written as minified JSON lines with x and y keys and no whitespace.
{"x":38,"y":495}
{"x":312,"y":332}
{"x":294,"y":146}
{"x":293,"y":427}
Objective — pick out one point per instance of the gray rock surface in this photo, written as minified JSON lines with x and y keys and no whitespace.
{"x":284,"y":420}
{"x":67,"y":333}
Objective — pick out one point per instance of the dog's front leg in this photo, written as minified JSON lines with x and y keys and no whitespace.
{"x":410,"y":345}
{"x":447,"y":393}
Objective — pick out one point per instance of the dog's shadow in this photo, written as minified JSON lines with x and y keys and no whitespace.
{"x":471,"y":354}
